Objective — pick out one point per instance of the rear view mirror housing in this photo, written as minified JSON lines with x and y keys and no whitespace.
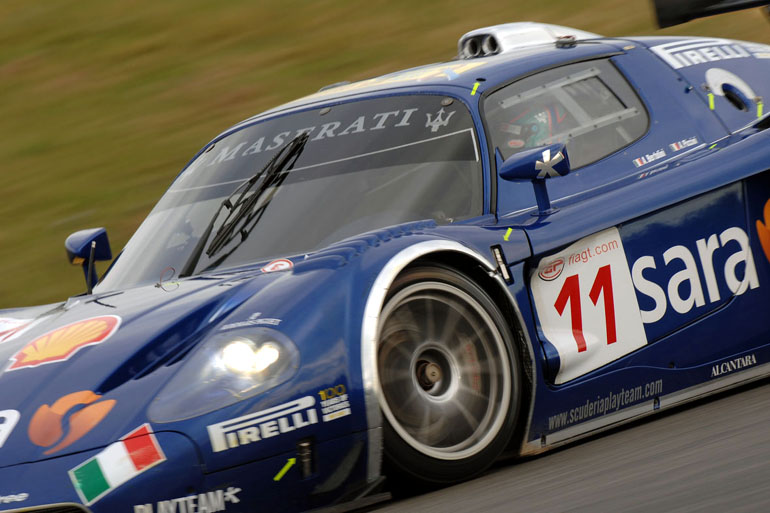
{"x":536,"y":165}
{"x":84,"y":248}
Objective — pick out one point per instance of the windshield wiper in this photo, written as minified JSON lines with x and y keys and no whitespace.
{"x":242,"y":215}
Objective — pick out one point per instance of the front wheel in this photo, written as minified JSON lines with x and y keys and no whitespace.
{"x":448,"y":376}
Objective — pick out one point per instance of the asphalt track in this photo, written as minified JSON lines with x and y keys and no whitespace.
{"x":713,"y":455}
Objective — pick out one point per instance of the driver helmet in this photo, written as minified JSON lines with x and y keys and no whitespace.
{"x":535,"y":125}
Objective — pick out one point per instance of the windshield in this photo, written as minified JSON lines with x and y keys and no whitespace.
{"x":363,"y":165}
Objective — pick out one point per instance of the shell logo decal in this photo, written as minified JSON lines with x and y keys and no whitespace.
{"x":48,"y":427}
{"x":60,"y":344}
{"x":763,"y":230}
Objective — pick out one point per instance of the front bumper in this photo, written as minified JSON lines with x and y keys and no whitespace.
{"x":50,"y":485}
{"x":335,"y":474}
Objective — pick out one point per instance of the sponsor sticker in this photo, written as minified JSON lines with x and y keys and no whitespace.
{"x":278,"y":420}
{"x":606,"y":404}
{"x":282,"y":264}
{"x":551,"y":270}
{"x":684,"y":143}
{"x":117,"y":464}
{"x":763,"y":231}
{"x":254,"y":319}
{"x":209,"y":502}
{"x":652,"y":172}
{"x":733,"y":365}
{"x":650,"y":157}
{"x":690,"y":52}
{"x":14,"y":497}
{"x":758,"y":50}
{"x":334,"y":402}
{"x":254,"y":427}
{"x":8,"y":421}
{"x":738,"y":273}
{"x":588,"y":310}
{"x":47,"y":426}
{"x":60,"y":344}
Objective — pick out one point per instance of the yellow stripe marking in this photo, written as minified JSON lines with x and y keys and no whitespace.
{"x":711,"y":101}
{"x":475,"y":88}
{"x":760,"y":108}
{"x":508,"y":234}
{"x":290,"y":463}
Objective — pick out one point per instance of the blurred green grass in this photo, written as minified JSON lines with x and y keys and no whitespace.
{"x":104,"y":102}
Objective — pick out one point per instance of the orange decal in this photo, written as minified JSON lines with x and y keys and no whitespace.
{"x":60,"y":344}
{"x":45,"y":428}
{"x":764,"y":231}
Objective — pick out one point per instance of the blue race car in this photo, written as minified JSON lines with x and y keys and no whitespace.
{"x":408,"y":277}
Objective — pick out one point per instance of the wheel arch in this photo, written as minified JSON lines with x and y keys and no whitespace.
{"x":481,"y":270}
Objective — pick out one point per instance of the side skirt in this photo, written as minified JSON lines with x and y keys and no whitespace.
{"x":642,"y":410}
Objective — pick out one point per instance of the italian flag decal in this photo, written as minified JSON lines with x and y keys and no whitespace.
{"x":116,"y":464}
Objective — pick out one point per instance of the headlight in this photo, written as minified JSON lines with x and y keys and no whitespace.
{"x":229,"y":367}
{"x":242,"y":356}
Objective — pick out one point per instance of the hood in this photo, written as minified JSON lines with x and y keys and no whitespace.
{"x":78,"y":375}
{"x":84,"y":373}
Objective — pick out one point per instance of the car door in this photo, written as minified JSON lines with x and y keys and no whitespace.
{"x":644,"y":250}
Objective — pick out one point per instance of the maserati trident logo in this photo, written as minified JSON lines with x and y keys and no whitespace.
{"x":546,"y":166}
{"x":435,"y":123}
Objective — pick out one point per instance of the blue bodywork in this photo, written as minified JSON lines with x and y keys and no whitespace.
{"x":697,"y":201}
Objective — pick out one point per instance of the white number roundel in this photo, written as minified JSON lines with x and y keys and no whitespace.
{"x":586,"y":304}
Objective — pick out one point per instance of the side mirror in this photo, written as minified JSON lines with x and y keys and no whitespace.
{"x":84,"y":248}
{"x":536,"y":165}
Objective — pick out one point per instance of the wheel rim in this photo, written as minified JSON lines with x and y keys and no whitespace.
{"x":443,"y":371}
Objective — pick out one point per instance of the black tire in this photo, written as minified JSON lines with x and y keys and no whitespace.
{"x":448,"y":376}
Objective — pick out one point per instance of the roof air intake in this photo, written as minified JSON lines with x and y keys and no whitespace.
{"x":512,"y":36}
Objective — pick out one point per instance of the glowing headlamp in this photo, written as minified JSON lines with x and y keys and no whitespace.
{"x":244,"y":357}
{"x":230,"y":366}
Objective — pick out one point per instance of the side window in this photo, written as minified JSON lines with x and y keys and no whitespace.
{"x":588,"y":105}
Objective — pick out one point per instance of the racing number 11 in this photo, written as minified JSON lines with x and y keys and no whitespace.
{"x":570,"y":292}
